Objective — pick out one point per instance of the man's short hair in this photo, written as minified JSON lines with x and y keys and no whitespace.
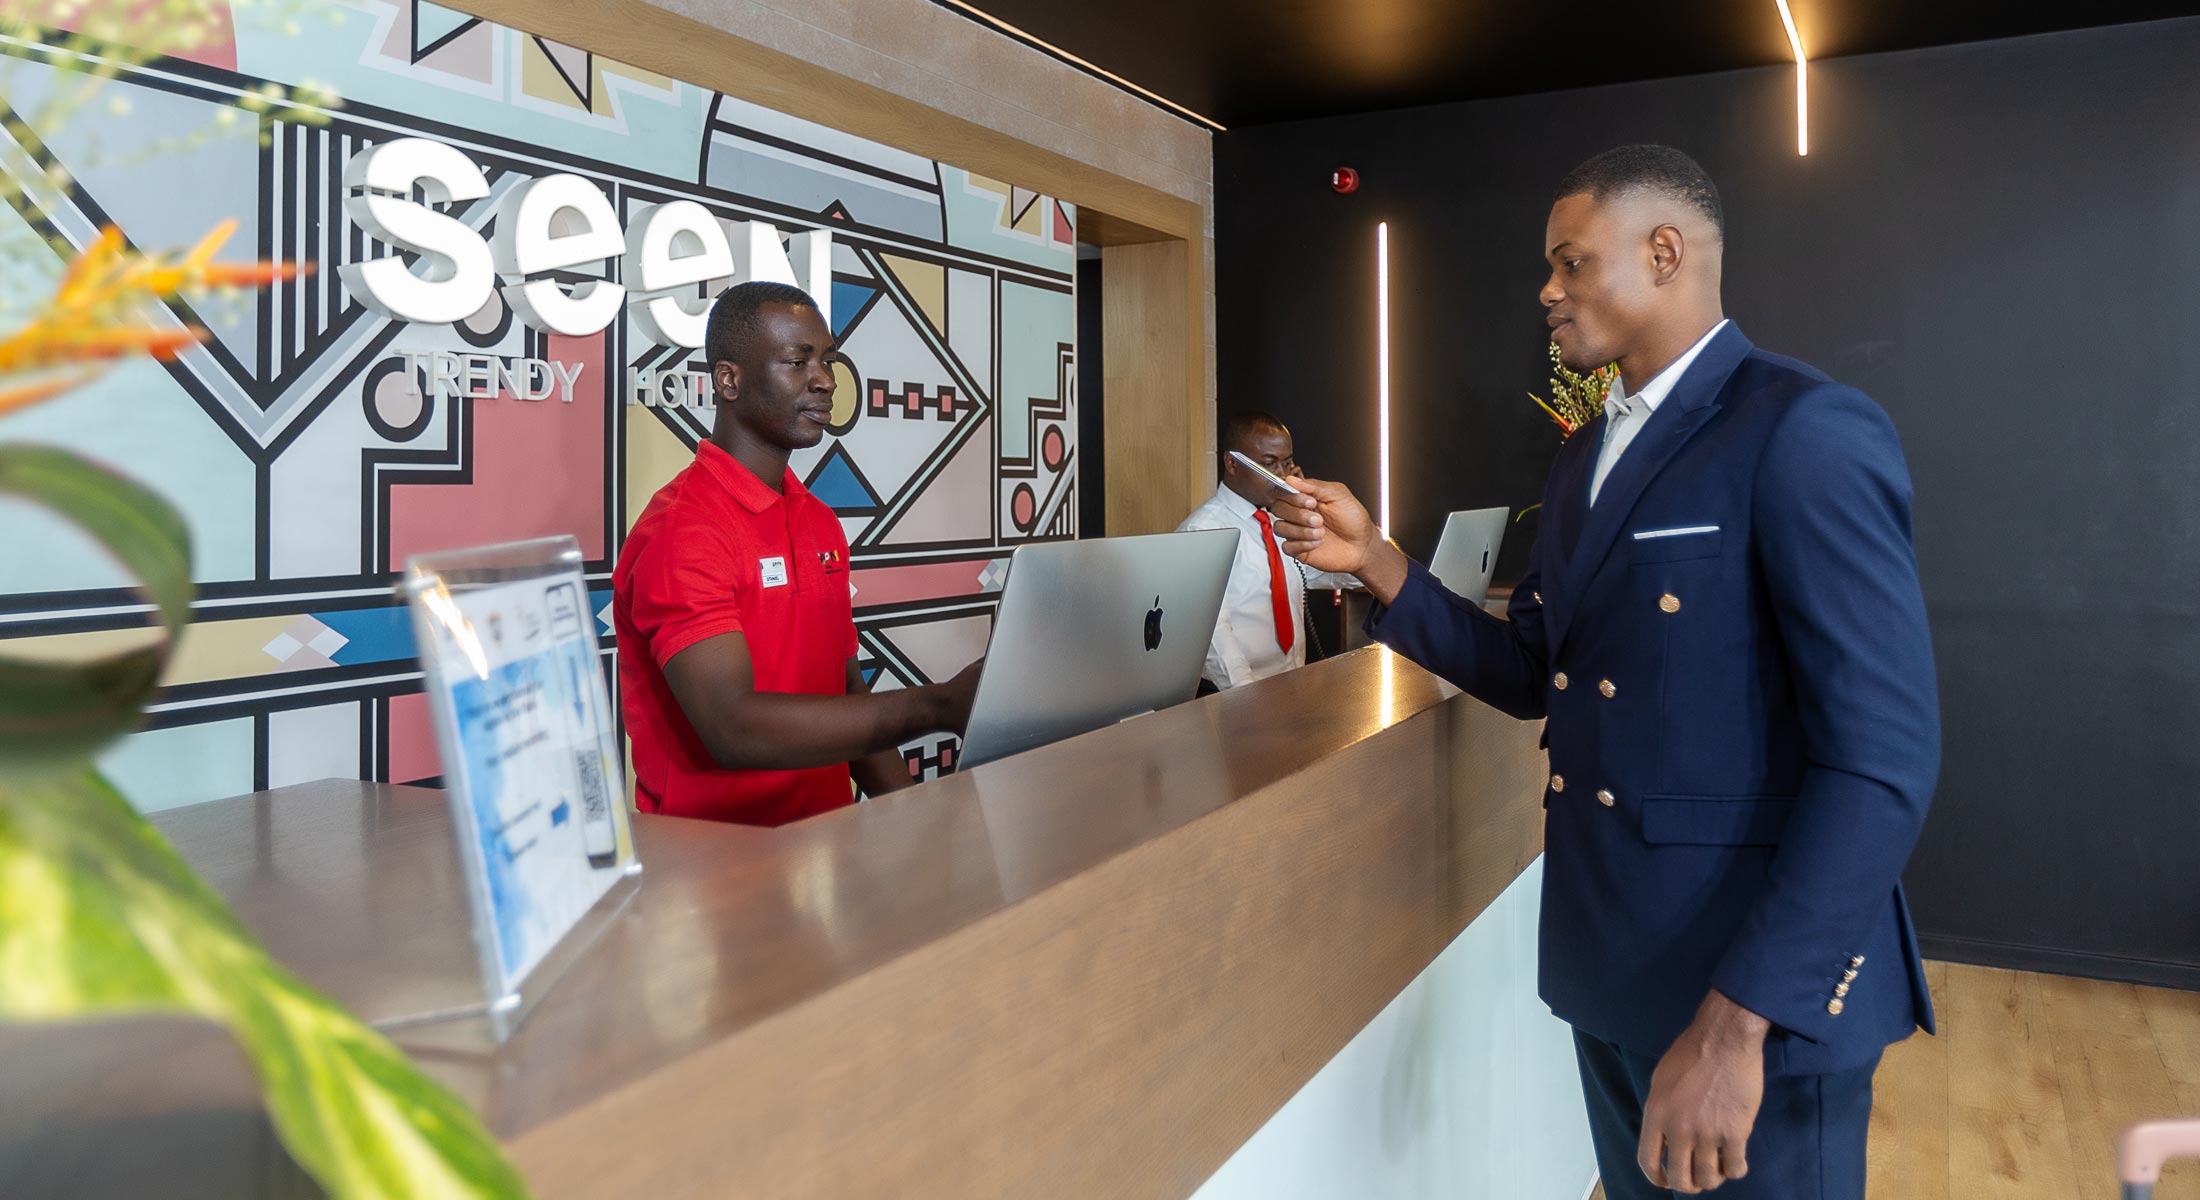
{"x":735,"y":319}
{"x":1241,"y":426}
{"x":1660,"y":169}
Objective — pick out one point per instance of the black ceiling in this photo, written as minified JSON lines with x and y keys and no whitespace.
{"x":1246,"y":62}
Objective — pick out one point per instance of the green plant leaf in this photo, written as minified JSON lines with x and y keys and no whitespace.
{"x":100,"y":916}
{"x":55,"y":715}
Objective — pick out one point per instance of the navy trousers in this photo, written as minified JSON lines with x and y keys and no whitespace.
{"x":1808,"y":1143}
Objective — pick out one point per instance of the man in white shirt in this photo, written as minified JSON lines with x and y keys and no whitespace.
{"x":1262,"y":628}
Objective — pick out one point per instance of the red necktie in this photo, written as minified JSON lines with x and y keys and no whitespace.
{"x":1279,"y":594}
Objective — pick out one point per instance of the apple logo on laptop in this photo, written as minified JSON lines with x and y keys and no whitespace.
{"x":1153,"y":626}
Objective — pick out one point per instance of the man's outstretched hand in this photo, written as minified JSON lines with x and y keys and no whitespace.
{"x":1327,"y":528}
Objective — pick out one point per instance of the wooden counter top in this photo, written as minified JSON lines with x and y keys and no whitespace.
{"x":1092,"y":969}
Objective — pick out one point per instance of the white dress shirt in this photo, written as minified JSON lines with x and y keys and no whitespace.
{"x":1244,"y":646}
{"x":1625,"y":415}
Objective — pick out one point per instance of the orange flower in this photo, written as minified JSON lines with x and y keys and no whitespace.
{"x":97,"y":314}
{"x":45,"y":389}
{"x":1565,"y":426}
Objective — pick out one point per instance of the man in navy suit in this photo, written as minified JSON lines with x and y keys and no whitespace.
{"x":1723,"y":627}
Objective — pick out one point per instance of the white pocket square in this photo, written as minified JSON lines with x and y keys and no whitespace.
{"x":1645,"y":535}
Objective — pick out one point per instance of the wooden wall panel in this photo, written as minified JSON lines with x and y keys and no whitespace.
{"x":1156,"y":418}
{"x":646,"y":36}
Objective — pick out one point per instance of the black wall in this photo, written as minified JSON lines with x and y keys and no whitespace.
{"x":2000,"y":242}
{"x":1092,"y":422}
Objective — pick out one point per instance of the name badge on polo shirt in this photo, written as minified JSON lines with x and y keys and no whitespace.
{"x":775,"y":571}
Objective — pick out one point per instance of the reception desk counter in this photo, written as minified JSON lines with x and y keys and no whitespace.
{"x":1096,"y":969}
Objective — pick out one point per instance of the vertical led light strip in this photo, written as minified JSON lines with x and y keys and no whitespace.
{"x":1802,"y":82}
{"x":1382,"y":376}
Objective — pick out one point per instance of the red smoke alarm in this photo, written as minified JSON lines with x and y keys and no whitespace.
{"x":1345,"y":180}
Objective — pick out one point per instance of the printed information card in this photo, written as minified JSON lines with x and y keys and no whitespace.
{"x":524,"y":726}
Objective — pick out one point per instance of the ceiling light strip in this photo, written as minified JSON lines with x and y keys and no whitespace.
{"x":1802,"y":81}
{"x":1043,"y":44}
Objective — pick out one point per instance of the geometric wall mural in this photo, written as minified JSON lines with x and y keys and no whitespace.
{"x":311,"y":454}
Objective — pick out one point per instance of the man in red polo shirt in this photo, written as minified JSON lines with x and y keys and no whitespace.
{"x":737,"y":636}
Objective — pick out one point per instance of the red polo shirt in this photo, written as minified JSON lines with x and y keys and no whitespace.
{"x":718,"y":552}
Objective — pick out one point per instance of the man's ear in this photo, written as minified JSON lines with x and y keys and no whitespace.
{"x":1668,"y":250}
{"x":726,"y":381}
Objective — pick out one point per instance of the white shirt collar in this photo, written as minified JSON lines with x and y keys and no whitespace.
{"x":1617,"y":403}
{"x":1235,"y":505}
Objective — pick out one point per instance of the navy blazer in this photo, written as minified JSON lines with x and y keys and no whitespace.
{"x":1730,"y":648}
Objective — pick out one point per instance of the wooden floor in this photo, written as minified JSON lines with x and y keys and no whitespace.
{"x":2023,"y":1092}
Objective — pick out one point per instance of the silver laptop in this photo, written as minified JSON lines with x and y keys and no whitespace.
{"x":1467,"y":552}
{"x":1094,"y":632}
